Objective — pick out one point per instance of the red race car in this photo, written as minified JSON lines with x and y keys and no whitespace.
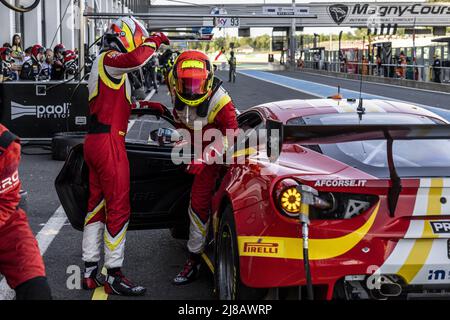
{"x":336,"y":199}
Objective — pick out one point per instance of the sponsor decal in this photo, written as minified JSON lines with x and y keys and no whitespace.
{"x":440,"y":226}
{"x":338,"y":12}
{"x":266,"y":248}
{"x":438,"y":274}
{"x":340,"y":183}
{"x":9,"y":182}
{"x":40,"y":111}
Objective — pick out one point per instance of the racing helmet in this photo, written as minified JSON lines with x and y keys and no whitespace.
{"x":36,"y":50}
{"x":5,"y":54}
{"x":124,"y":35}
{"x":59,"y":50}
{"x":192,"y":77}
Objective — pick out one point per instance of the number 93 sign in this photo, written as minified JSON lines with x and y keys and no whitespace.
{"x":222,"y":22}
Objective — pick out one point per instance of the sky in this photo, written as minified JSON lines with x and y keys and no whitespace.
{"x":259,"y":31}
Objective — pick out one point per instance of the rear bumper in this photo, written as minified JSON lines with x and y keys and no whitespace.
{"x":271,"y":252}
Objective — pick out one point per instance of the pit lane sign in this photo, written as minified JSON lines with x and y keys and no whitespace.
{"x":222,"y":22}
{"x":372,"y":15}
{"x":285,"y":11}
{"x":407,"y":15}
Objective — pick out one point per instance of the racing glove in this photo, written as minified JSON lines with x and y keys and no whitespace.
{"x":158,"y":38}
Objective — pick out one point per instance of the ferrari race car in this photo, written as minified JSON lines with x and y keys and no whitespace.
{"x":342,"y":199}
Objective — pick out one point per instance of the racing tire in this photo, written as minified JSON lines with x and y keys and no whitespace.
{"x":227,"y":279}
{"x":63,"y":142}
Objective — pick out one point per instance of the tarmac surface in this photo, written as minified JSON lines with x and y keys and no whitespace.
{"x":153,"y":257}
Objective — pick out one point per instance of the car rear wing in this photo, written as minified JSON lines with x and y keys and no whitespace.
{"x":278,"y":133}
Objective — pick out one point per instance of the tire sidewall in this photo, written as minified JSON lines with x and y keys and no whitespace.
{"x":227,"y":222}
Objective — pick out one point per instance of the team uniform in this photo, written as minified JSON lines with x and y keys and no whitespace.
{"x":105,"y":154}
{"x":20,"y":259}
{"x":200,"y":102}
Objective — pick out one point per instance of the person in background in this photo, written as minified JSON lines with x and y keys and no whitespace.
{"x":403,"y":63}
{"x":70,"y":63}
{"x":58,"y":62}
{"x":17,"y":50}
{"x":6,"y":71}
{"x":32,"y":68}
{"x":27,"y":55}
{"x":379,"y":64}
{"x":436,"y":69}
{"x":232,"y":67}
{"x":48,"y":63}
{"x":150,"y":74}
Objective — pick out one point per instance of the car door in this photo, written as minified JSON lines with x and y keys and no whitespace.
{"x":159,"y":188}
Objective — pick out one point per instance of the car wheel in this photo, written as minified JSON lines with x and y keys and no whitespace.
{"x":63,"y":142}
{"x":226,"y":276}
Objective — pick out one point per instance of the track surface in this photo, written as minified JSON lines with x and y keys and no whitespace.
{"x":154,"y":257}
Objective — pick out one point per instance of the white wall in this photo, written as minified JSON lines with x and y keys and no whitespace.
{"x":68,"y":25}
{"x":33,"y":26}
{"x":7,"y":28}
{"x":52,"y":19}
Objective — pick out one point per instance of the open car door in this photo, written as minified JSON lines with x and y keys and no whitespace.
{"x":159,"y":189}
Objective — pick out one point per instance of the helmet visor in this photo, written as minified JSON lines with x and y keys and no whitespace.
{"x":191,"y":88}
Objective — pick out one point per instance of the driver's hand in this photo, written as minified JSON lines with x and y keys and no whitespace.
{"x":159,"y":108}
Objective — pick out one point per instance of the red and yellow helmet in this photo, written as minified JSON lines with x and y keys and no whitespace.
{"x":192,"y":77}
{"x":128,"y":32}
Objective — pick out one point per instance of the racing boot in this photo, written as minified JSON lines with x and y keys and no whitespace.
{"x":91,"y":280}
{"x":190,"y":270}
{"x":117,"y":284}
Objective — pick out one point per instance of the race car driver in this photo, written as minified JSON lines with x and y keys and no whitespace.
{"x":199,"y":98}
{"x":126,"y":47}
{"x":20,"y":259}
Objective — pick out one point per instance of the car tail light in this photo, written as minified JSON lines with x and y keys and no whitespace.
{"x":293,"y":198}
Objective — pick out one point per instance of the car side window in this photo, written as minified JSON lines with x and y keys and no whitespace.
{"x":144,"y":129}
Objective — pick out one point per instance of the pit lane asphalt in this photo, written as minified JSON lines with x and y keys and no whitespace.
{"x":152,"y":257}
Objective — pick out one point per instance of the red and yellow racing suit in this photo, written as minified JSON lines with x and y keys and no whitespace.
{"x":105,"y":153}
{"x":221,"y":115}
{"x":20,"y":258}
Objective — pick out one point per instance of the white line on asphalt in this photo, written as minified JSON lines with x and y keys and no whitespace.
{"x":44,"y":239}
{"x":150,"y":95}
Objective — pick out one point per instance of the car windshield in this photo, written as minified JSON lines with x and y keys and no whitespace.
{"x":140,"y":129}
{"x":412,"y":158}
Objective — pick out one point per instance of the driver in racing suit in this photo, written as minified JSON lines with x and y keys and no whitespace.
{"x":199,"y":98}
{"x":126,"y":48}
{"x":20,"y":259}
